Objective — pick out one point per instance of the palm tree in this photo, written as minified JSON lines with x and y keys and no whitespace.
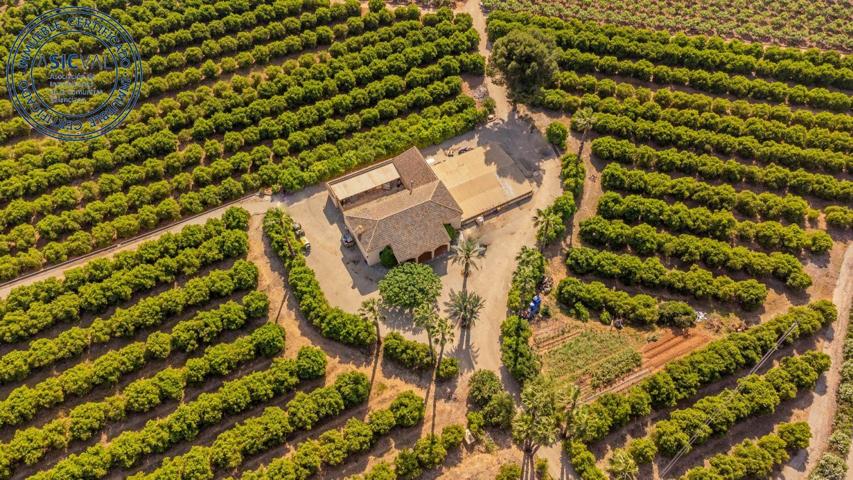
{"x":425,"y":316}
{"x":465,"y":307}
{"x":573,"y":395}
{"x":443,"y":335}
{"x":547,"y":225}
{"x":583,"y":121}
{"x":465,"y":252}
{"x":622,"y":466}
{"x":371,"y":310}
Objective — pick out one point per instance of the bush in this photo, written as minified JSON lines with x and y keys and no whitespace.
{"x":643,"y":450}
{"x":409,"y":285}
{"x":310,"y":363}
{"x":509,"y":471}
{"x":500,"y":410}
{"x":387,"y":258}
{"x":408,"y":409}
{"x":516,"y":353}
{"x":557,"y":133}
{"x":409,"y":353}
{"x":482,"y":386}
{"x":452,"y":436}
{"x":829,"y":467}
{"x":448,"y":368}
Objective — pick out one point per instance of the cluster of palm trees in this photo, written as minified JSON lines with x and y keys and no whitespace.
{"x":463,"y":306}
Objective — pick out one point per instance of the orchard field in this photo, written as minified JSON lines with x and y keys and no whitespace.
{"x":715,"y":200}
{"x":210,"y":351}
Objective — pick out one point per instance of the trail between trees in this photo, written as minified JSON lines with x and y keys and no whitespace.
{"x":822,"y":409}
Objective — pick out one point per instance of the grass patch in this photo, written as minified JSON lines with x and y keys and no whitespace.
{"x":593,"y":352}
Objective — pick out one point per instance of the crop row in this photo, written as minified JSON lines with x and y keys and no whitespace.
{"x":704,"y":111}
{"x":757,"y":50}
{"x":754,"y":395}
{"x":119,"y":287}
{"x":270,"y":115}
{"x":643,"y":239}
{"x":142,"y":395}
{"x":579,"y":53}
{"x":428,"y":453}
{"x":25,"y":402}
{"x":148,"y":312}
{"x":187,"y":421}
{"x":712,"y":168}
{"x":337,"y":446}
{"x":616,"y":118}
{"x":149,"y":252}
{"x":755,"y":458}
{"x":145,"y":120}
{"x":640,"y":309}
{"x":271,"y":428}
{"x":764,"y":206}
{"x":682,"y":378}
{"x":721,"y":225}
{"x":696,"y":281}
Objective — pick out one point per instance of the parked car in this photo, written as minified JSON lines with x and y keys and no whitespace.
{"x":306,"y":245}
{"x":465,"y":149}
{"x":347,"y":239}
{"x":297,"y":229}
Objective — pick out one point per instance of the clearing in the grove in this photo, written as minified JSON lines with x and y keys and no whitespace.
{"x":491,"y":239}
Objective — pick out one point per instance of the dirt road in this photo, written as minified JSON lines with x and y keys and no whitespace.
{"x":822,"y":409}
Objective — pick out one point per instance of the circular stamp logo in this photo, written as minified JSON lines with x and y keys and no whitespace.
{"x":74,"y":73}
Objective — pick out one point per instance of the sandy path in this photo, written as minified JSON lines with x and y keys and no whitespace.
{"x":822,"y":409}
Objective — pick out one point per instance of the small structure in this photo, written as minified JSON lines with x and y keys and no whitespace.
{"x":484,"y":180}
{"x":399,"y":203}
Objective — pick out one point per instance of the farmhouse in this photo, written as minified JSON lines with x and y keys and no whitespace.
{"x":399,"y":203}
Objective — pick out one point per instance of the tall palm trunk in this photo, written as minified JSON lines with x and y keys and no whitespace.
{"x":435,"y":388}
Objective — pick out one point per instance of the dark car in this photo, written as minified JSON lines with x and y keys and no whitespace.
{"x":347,"y":239}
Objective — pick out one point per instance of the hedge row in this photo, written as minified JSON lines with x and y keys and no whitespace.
{"x":650,"y":272}
{"x":832,"y":464}
{"x":142,"y":395}
{"x":120,"y":286}
{"x":331,"y":321}
{"x":764,"y":206}
{"x":564,"y":206}
{"x":102,"y":270}
{"x":25,"y":402}
{"x":755,"y":459}
{"x":701,"y":111}
{"x":709,"y":53}
{"x":682,"y":378}
{"x":640,"y":309}
{"x":417,"y":356}
{"x":183,"y":424}
{"x":148,"y":312}
{"x":710,"y":167}
{"x":269,"y":429}
{"x":628,"y":119}
{"x":428,"y":453}
{"x":643,"y":239}
{"x":721,"y":225}
{"x":668,"y":97}
{"x":715,"y":415}
{"x":336,"y":446}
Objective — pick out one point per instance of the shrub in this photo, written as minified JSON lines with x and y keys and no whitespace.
{"x":408,"y":409}
{"x":509,"y":471}
{"x":310,"y":363}
{"x":829,"y":467}
{"x":482,"y":386}
{"x":500,"y":410}
{"x":387,"y":258}
{"x":557,"y":133}
{"x":452,"y":436}
{"x":643,"y":450}
{"x":448,"y":368}
{"x":409,"y":353}
{"x":409,"y":285}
